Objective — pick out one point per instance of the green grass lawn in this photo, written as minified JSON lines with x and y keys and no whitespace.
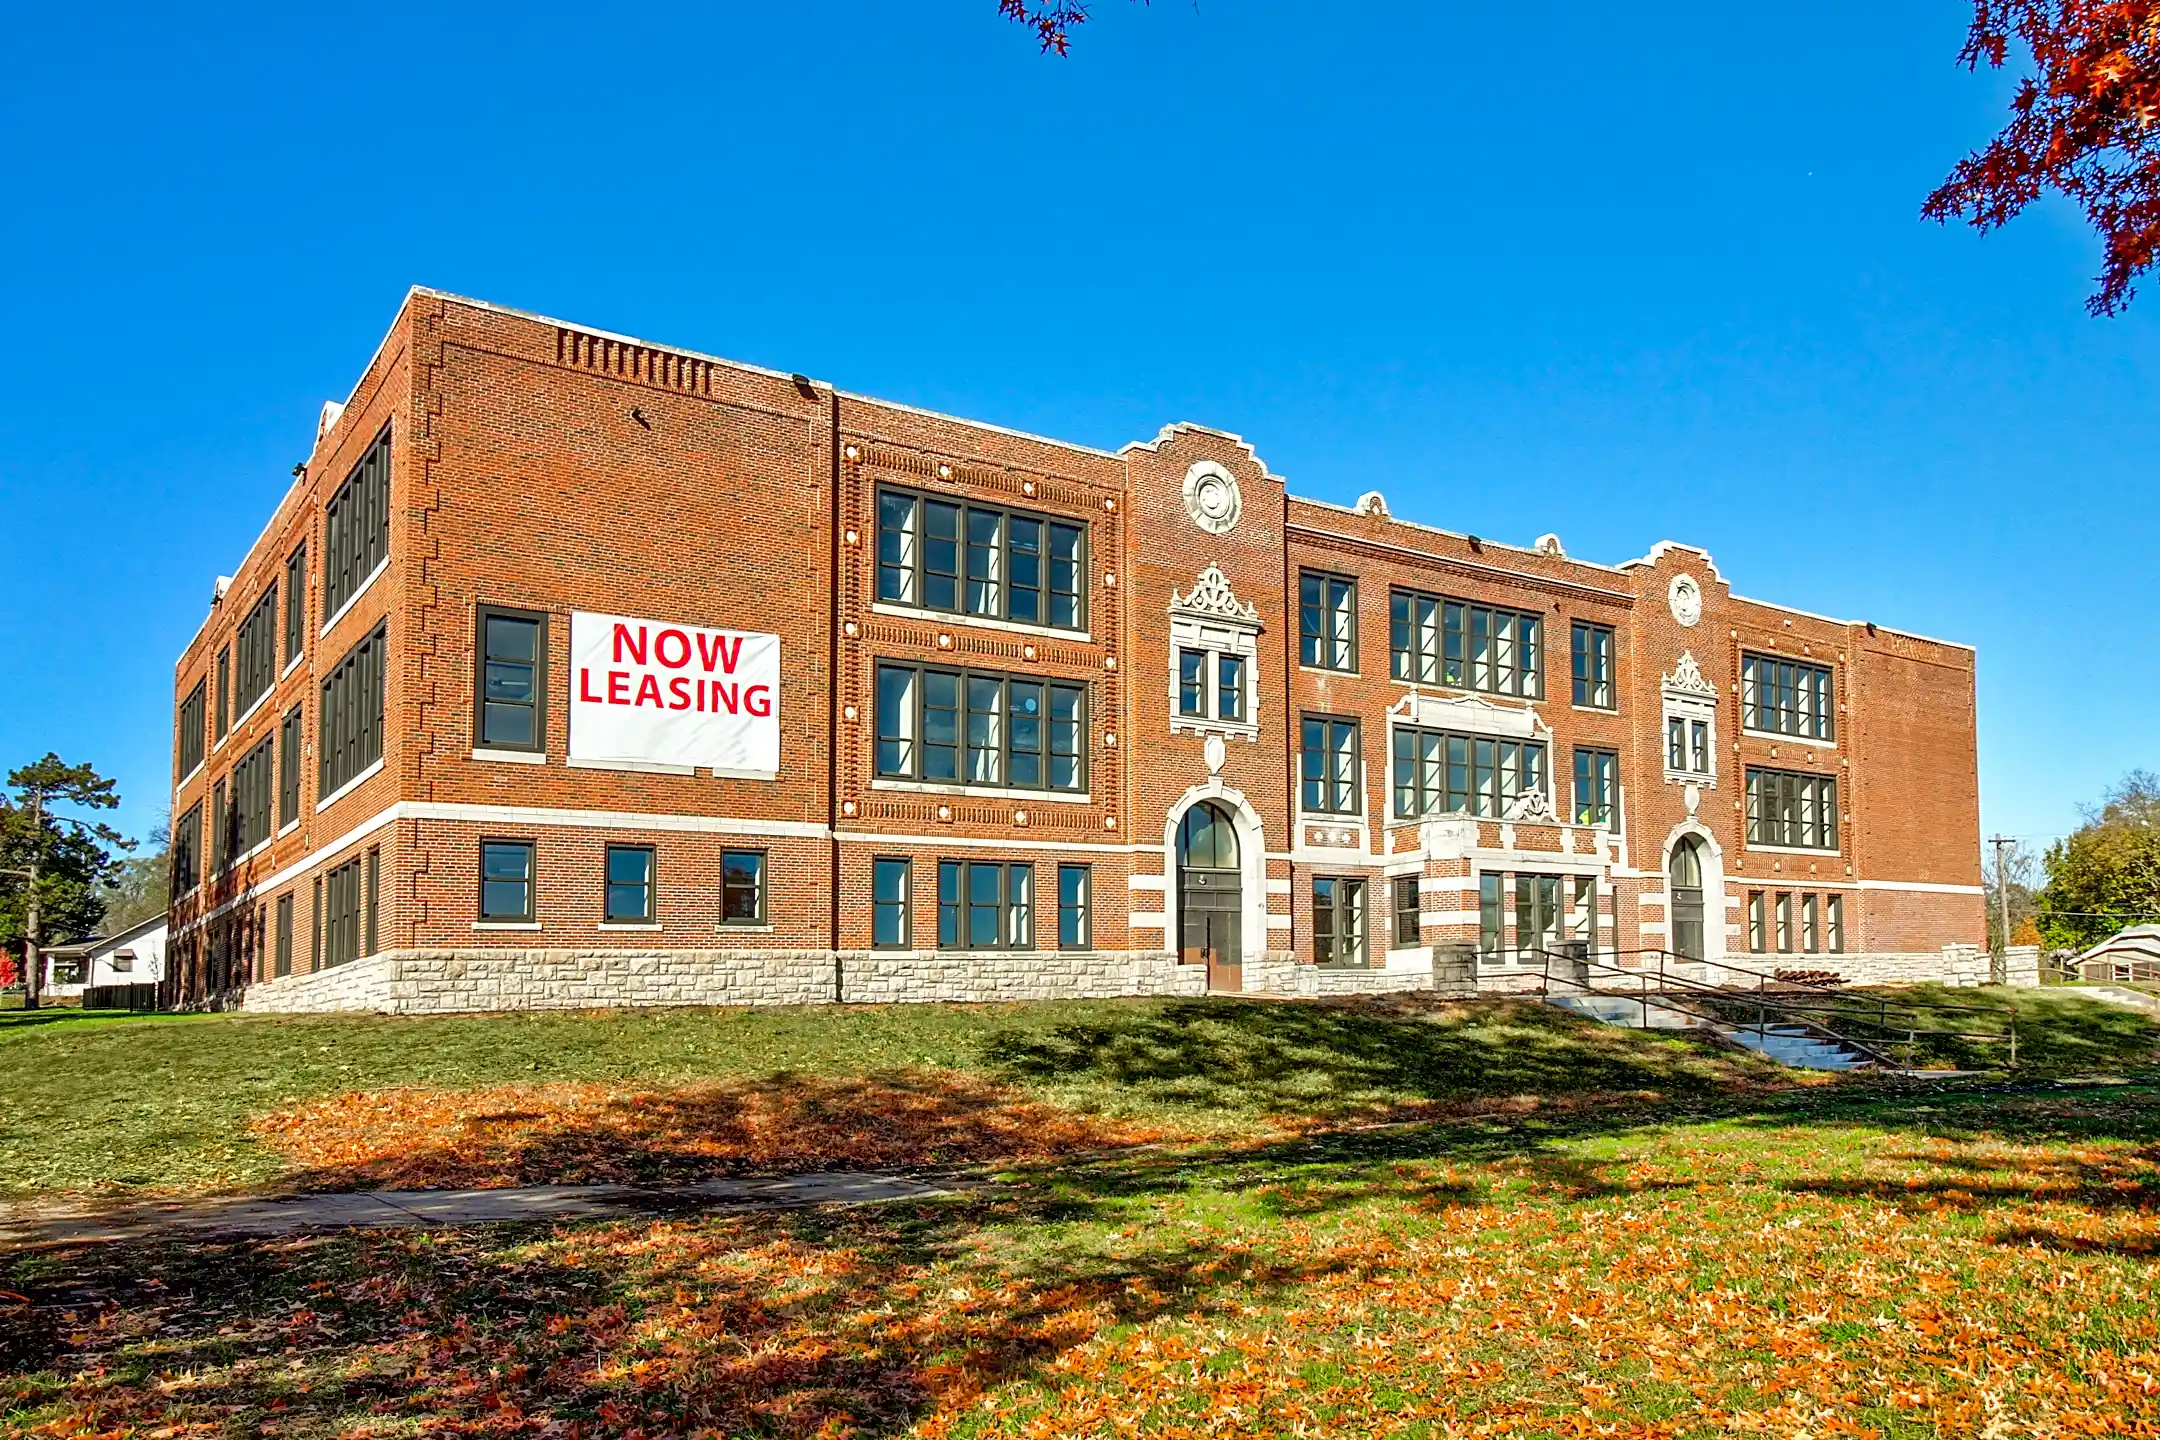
{"x":167,"y":1102}
{"x":1835,"y":1261}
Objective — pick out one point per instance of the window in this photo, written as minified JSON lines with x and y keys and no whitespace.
{"x":1537,"y":915}
{"x":1490,"y":917}
{"x":511,"y":686}
{"x":1439,"y":773}
{"x":252,"y":780}
{"x":315,"y":927}
{"x":1687,"y":745}
{"x":220,"y":830}
{"x":978,"y":729}
{"x":1436,"y":641}
{"x":1787,"y":697}
{"x":255,"y":653}
{"x":356,"y":528}
{"x":1328,"y":765}
{"x":1591,"y":648}
{"x":224,"y":692}
{"x":1784,"y":922}
{"x":742,"y":887}
{"x":350,"y":720}
{"x":1836,"y":924}
{"x":1583,"y":913}
{"x":1811,"y":923}
{"x":1758,"y":923}
{"x":984,"y":906}
{"x":295,"y":605}
{"x":341,"y":914}
{"x":1685,"y":912}
{"x":190,"y":746}
{"x":1230,"y":687}
{"x":630,"y":885}
{"x":1597,"y":784}
{"x":892,"y":884}
{"x":1407,"y":905}
{"x":1327,"y":621}
{"x":289,"y":769}
{"x":1192,"y":682}
{"x":281,"y":965}
{"x":374,"y":898}
{"x":1793,"y":809}
{"x":974,"y":559}
{"x":1076,"y":928}
{"x":187,"y":851}
{"x":506,"y":880}
{"x":1338,"y":921}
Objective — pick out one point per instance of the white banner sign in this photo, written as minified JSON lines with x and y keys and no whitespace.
{"x":651,"y":693}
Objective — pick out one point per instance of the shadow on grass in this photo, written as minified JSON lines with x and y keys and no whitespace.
{"x":1369,"y":1056}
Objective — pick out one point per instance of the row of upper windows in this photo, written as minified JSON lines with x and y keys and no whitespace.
{"x":355,"y":544}
{"x":349,"y":740}
{"x":1434,"y":640}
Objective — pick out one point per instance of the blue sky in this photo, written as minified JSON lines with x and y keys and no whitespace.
{"x":1619,"y":275}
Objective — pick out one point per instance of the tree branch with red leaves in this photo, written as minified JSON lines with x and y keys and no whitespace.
{"x":2086,"y":125}
{"x":1053,"y":21}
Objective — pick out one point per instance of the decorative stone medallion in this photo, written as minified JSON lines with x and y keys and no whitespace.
{"x":1211,"y":497}
{"x":1685,"y":597}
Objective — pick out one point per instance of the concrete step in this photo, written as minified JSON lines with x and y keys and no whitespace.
{"x":1790,"y":1045}
{"x":1623,"y":1010}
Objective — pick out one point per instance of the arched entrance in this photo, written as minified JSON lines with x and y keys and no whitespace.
{"x":1684,"y":899}
{"x":1210,"y":895}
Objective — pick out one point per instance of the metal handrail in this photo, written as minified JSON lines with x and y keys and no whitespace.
{"x":1675,"y":991}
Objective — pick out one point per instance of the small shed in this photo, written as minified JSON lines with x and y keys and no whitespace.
{"x":2130,"y":955}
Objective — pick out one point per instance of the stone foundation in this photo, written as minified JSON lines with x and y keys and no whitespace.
{"x":425,"y":982}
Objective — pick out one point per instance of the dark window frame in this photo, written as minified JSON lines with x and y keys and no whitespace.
{"x":1316,"y":646}
{"x":1786,"y":714}
{"x":1082,"y":911}
{"x":343,"y":917}
{"x":252,"y":798}
{"x":760,"y":918}
{"x":193,"y":746}
{"x":1452,"y":666}
{"x":1329,"y":939}
{"x":1409,"y":918}
{"x":282,"y":959}
{"x":903,"y":907}
{"x":1776,"y":806}
{"x":1605,"y":812}
{"x":356,"y":528}
{"x":1011,"y":914}
{"x":650,"y":914}
{"x":295,"y":604}
{"x":538,"y":705}
{"x":1332,"y":785}
{"x":919,"y":574}
{"x":1591,"y":667}
{"x":962,"y":677}
{"x":531,"y":881}
{"x":255,"y":655}
{"x":292,"y":732}
{"x":349,"y":720}
{"x":1447,"y":768}
{"x":186,"y":851}
{"x":224,"y":695}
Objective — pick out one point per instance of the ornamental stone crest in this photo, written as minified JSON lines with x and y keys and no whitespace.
{"x":1687,"y":677}
{"x":1532,"y":804}
{"x":1211,"y":497}
{"x":1684,"y":595}
{"x":1212,"y":597}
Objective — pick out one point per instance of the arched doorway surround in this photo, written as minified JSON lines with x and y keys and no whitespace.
{"x":1232,"y":841}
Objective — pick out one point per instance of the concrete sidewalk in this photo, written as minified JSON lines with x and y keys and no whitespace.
{"x":255,"y":1215}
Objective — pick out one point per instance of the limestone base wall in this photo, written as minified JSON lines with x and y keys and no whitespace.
{"x":423,"y":982}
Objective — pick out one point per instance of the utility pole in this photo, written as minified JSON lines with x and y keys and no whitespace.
{"x":1999,"y":966}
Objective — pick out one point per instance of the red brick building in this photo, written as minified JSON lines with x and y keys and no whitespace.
{"x":576,"y":669}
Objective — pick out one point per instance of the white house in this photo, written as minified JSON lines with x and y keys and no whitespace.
{"x":99,"y":970}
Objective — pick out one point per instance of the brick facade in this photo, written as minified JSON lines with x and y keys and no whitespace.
{"x":553,"y":469}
